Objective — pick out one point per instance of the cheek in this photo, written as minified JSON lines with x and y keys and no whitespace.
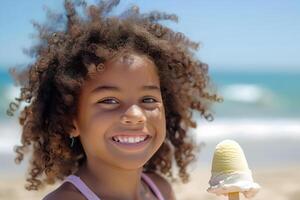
{"x":95,"y":128}
{"x":97,"y":123}
{"x":157,"y":116}
{"x":100,"y":121}
{"x":157,"y":113}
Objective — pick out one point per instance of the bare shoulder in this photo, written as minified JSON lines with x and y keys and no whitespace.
{"x":163,"y":185}
{"x":65,"y":191}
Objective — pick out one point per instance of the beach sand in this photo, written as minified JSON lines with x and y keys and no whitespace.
{"x":273,"y":155}
{"x":280,"y":183}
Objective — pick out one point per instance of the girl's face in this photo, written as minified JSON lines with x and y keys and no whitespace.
{"x":121,"y":120}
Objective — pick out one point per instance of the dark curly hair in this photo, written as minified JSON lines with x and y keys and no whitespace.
{"x":73,"y":45}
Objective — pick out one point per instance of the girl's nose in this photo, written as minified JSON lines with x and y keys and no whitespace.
{"x":133,"y":115}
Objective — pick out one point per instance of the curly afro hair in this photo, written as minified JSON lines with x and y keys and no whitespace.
{"x":73,"y":45}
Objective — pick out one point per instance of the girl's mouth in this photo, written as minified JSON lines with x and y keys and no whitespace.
{"x":131,"y":142}
{"x":129,"y":139}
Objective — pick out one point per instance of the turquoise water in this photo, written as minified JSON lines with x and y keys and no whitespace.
{"x":258,"y":94}
{"x":246,"y":94}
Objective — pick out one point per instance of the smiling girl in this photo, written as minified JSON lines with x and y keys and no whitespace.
{"x":110,"y":101}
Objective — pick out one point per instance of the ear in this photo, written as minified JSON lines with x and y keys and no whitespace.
{"x":75,"y":131}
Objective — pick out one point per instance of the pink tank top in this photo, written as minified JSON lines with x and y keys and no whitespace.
{"x":90,"y":195}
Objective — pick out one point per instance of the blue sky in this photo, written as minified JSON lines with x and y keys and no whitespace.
{"x":233,"y":34}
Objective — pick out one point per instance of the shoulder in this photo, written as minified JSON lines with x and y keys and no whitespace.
{"x":163,"y":185}
{"x":65,"y":191}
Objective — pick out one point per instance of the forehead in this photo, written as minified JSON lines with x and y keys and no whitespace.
{"x":127,"y":69}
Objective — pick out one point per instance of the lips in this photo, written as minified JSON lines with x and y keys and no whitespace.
{"x":130,"y":140}
{"x":127,"y":134}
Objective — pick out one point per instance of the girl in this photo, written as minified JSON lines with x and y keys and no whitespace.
{"x":109,"y":103}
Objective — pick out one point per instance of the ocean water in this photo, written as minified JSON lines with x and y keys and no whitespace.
{"x":251,"y":94}
{"x":256,"y":94}
{"x":261,"y":110}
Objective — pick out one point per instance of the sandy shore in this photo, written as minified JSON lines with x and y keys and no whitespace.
{"x":280,"y":183}
{"x":273,"y":158}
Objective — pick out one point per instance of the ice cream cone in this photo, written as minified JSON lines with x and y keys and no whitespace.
{"x":234,"y":196}
{"x":230,"y":172}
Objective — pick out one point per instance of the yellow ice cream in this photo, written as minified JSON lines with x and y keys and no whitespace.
{"x":230,"y":171}
{"x":229,"y":158}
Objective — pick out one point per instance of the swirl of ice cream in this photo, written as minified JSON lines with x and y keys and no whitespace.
{"x":230,"y":171}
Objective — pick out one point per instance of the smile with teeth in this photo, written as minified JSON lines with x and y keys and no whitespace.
{"x":129,"y":139}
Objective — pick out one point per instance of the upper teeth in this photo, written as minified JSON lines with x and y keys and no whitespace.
{"x":126,"y":139}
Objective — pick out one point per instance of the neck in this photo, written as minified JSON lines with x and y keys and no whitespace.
{"x":111,"y":182}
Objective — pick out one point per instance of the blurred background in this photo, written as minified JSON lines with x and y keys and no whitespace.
{"x":252,"y":48}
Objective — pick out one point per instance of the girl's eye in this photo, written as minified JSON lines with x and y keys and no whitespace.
{"x":107,"y":101}
{"x":113,"y":101}
{"x":152,"y":100}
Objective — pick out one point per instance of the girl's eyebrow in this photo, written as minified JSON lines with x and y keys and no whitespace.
{"x":114,"y":88}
